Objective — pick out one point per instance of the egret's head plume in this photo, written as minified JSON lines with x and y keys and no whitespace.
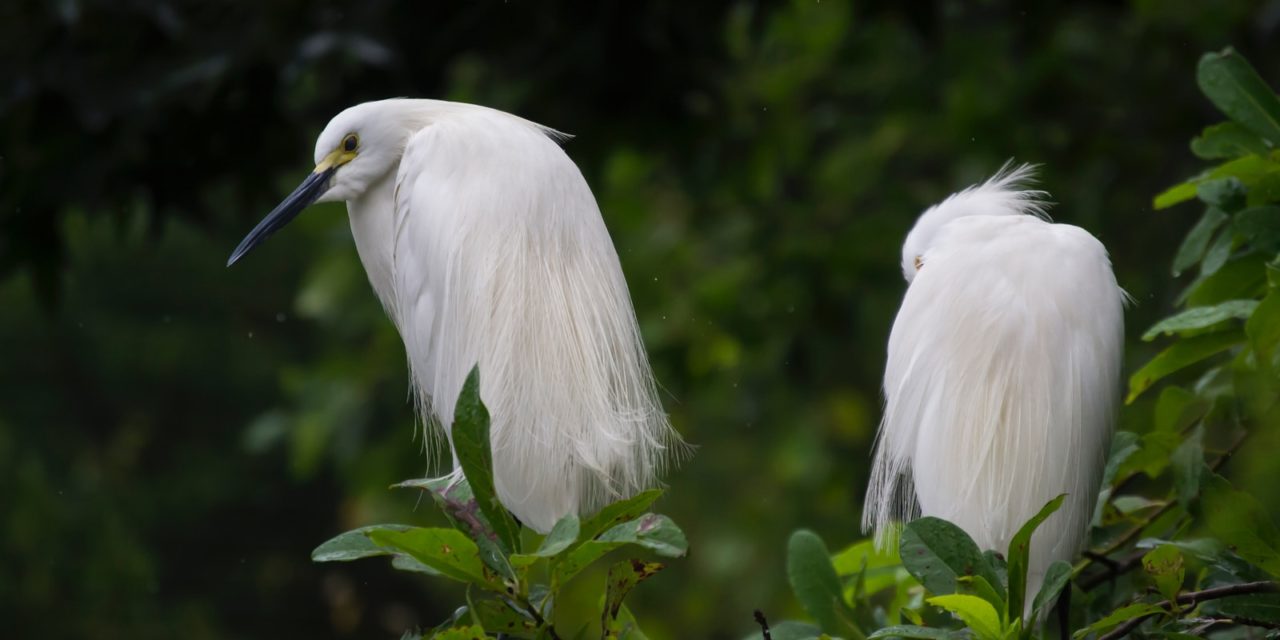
{"x":1005,"y":193}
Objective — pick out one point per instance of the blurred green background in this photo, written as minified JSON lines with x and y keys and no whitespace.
{"x":175,"y":437}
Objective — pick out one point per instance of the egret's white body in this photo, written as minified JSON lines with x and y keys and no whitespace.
{"x":1002,"y":378}
{"x":485,"y":245}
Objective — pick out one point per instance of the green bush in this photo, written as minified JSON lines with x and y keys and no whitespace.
{"x":1175,"y":550}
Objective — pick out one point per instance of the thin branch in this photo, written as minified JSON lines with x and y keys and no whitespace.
{"x":1132,"y":562}
{"x":1193,"y":598}
{"x":764,"y":625}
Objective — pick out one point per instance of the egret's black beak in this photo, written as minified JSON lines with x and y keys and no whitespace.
{"x":308,"y":192}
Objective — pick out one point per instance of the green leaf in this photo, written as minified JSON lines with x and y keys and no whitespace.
{"x":1238,"y":91}
{"x":499,"y":616}
{"x":650,"y":531}
{"x":1197,"y":240}
{"x":1123,"y":445}
{"x":876,"y":568}
{"x":1239,"y":520}
{"x":977,"y":613}
{"x":1251,"y":608}
{"x":471,"y":443}
{"x":1244,"y":277}
{"x":448,"y":551}
{"x":1260,"y":227}
{"x":354,"y":544}
{"x":563,"y":534}
{"x":452,"y":493}
{"x":1227,"y":140}
{"x":1121,"y":615}
{"x":403,"y":562}
{"x":1164,"y":565}
{"x":1176,"y":194}
{"x":938,"y":553}
{"x":814,"y":581}
{"x":914,"y":632}
{"x":1188,"y":463}
{"x":1218,"y":253}
{"x":1056,"y":577}
{"x":623,"y":577}
{"x":1201,"y":317}
{"x":1020,"y":553}
{"x":1227,"y":194}
{"x":1177,"y":409}
{"x":629,"y":628}
{"x":617,"y":513}
{"x":470,"y":632}
{"x":1263,"y":327}
{"x":1180,"y":355}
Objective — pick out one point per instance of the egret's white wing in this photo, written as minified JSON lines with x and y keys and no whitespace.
{"x":1001,"y":384}
{"x":501,"y":258}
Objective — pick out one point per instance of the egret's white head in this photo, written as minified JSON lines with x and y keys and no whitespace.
{"x":1002,"y":194}
{"x":359,"y":147}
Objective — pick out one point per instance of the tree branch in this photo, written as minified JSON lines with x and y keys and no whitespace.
{"x":1193,"y":598}
{"x":764,"y":625}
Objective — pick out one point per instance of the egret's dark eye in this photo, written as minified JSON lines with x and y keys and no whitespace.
{"x":350,"y":143}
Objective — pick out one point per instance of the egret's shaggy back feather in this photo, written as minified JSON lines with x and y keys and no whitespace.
{"x":499,"y":256}
{"x":1003,"y":374}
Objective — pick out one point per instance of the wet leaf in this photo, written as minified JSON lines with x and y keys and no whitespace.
{"x":1202,"y":317}
{"x":471,"y":443}
{"x":813,"y":580}
{"x":1020,"y":553}
{"x":1180,"y":355}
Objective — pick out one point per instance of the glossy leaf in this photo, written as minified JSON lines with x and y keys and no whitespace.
{"x":448,"y":551}
{"x":937,"y":553}
{"x":1197,"y":241}
{"x":563,"y":534}
{"x":1240,"y":93}
{"x":1201,"y":317}
{"x":1181,"y":354}
{"x":617,"y":513}
{"x":1227,"y":140}
{"x":354,"y":544}
{"x":1020,"y":553}
{"x":814,"y":582}
{"x":650,"y":531}
{"x":1226,"y":193}
{"x":975,"y":612}
{"x":471,"y":443}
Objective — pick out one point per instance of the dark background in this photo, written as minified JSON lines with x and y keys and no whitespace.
{"x":175,"y":436}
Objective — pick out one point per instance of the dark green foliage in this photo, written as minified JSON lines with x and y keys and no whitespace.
{"x":511,"y":600}
{"x":1175,"y":549}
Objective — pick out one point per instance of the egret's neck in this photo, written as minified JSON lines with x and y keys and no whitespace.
{"x":373,"y":227}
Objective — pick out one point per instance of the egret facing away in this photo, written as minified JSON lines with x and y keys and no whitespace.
{"x":485,"y":245}
{"x":1002,"y":379}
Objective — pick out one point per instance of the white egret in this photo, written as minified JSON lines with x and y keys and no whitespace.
{"x":485,"y":245}
{"x":1002,"y":379}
